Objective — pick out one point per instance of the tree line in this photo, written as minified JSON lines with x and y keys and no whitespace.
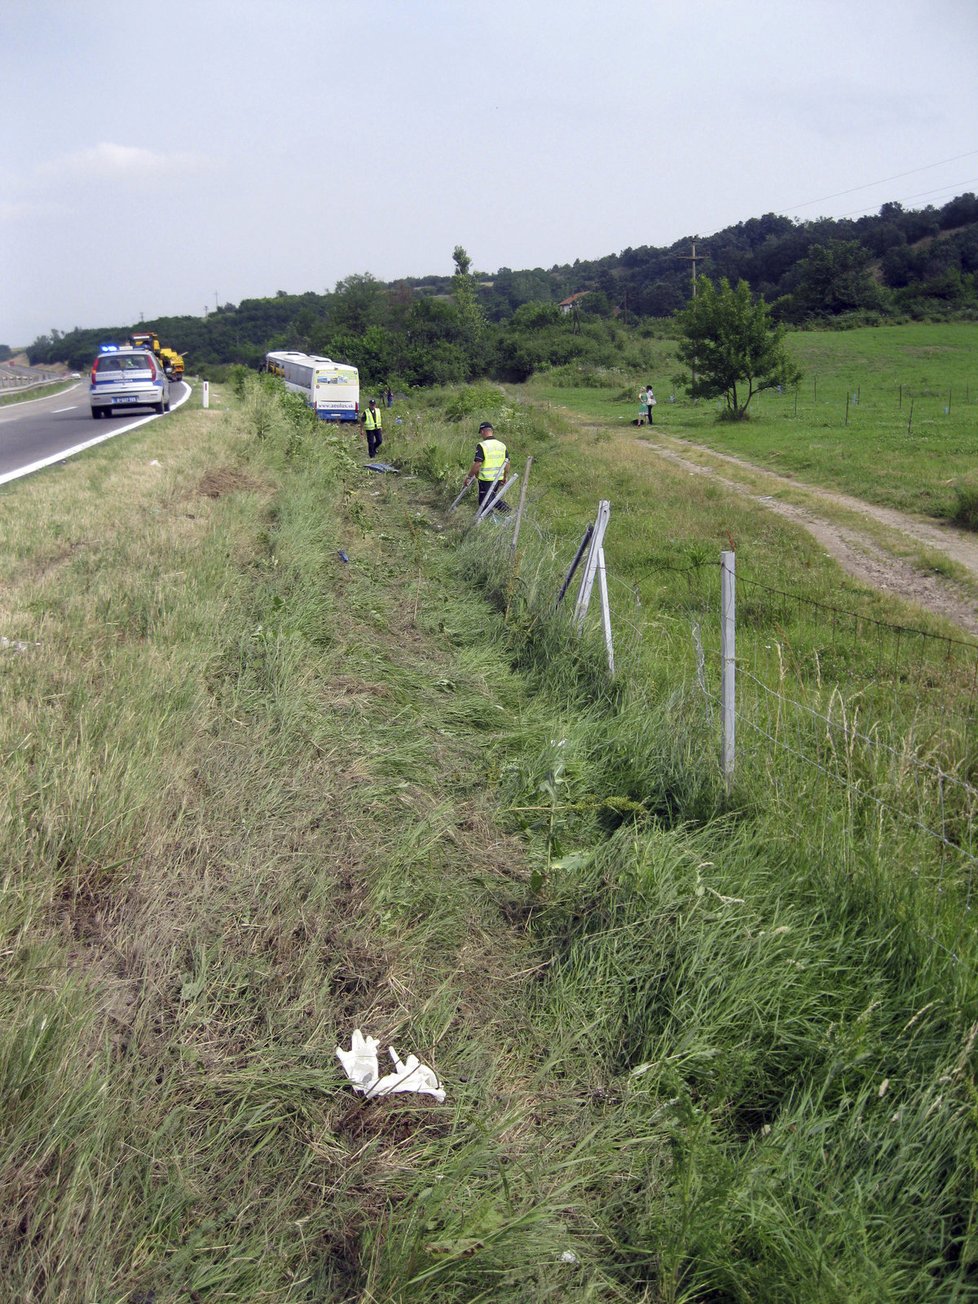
{"x":896,"y":265}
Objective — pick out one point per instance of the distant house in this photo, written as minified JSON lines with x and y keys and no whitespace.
{"x":567,"y":305}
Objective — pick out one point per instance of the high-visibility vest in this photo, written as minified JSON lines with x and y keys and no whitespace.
{"x":493,"y":457}
{"x":371,"y":420}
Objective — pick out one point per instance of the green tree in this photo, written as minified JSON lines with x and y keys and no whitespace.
{"x":732,"y":347}
{"x":471,"y":321}
{"x":836,"y":277}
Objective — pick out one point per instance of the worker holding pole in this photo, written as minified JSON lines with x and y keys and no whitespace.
{"x":490,"y":467}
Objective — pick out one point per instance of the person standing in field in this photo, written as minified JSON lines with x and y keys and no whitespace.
{"x":372,"y":423}
{"x":649,"y":403}
{"x":490,"y":466}
{"x":389,"y":396}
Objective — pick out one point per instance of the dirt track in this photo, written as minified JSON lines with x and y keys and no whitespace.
{"x":863,"y":555}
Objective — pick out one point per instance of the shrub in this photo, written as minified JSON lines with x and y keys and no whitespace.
{"x":965,"y":511}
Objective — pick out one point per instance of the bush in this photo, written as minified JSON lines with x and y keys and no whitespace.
{"x":473,"y":400}
{"x":965,"y":511}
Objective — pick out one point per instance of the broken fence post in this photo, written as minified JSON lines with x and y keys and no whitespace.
{"x":575,"y":563}
{"x":465,"y":489}
{"x":519,"y":510}
{"x":591,"y":567}
{"x":492,"y":498}
{"x":605,"y":610}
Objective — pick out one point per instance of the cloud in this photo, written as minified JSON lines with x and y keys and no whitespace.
{"x":109,"y":161}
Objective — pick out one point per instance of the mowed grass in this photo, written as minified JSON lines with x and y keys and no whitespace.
{"x":694,"y":1047}
{"x":910,"y":434}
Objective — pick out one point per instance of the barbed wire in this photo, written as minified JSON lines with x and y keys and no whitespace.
{"x":856,"y":616}
{"x":850,"y":731}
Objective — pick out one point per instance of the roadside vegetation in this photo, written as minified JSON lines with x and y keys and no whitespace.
{"x":290,"y":750}
{"x":11,"y":396}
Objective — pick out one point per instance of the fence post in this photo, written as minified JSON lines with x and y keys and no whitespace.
{"x":591,"y":565}
{"x":728,"y":645}
{"x":574,"y":564}
{"x":205,"y":395}
{"x":519,"y":512}
{"x":605,"y":611}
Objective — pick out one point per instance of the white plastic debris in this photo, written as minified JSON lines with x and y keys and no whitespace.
{"x":361,"y":1067}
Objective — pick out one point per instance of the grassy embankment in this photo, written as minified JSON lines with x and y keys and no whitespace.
{"x":257,"y":795}
{"x":901,"y":448}
{"x":9,"y":397}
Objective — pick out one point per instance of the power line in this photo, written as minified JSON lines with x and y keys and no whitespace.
{"x":883,"y":180}
{"x":954,"y":190}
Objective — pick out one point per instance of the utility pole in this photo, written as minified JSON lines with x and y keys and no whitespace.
{"x":693,"y":258}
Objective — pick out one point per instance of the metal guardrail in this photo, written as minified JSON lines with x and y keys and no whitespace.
{"x":17,"y":384}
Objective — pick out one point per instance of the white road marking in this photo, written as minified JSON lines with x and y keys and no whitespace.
{"x":7,"y":476}
{"x":55,"y":411}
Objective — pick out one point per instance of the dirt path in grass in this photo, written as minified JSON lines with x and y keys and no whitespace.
{"x":870,"y":557}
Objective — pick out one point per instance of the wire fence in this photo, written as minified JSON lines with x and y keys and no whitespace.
{"x":884,"y":716}
{"x":798,"y":693}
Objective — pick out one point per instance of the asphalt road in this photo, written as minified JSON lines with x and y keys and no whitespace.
{"x":40,"y":432}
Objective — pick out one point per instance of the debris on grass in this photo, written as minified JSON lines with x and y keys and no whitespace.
{"x":361,"y":1067}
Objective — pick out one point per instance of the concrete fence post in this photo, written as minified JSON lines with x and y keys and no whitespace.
{"x":728,"y":646}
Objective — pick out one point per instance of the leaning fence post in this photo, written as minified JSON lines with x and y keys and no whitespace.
{"x":605,"y":611}
{"x":591,"y":565}
{"x":574,"y":564}
{"x":728,"y":644}
{"x":519,"y":511}
{"x":492,"y":498}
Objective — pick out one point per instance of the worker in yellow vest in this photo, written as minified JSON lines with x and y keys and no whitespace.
{"x":490,"y":466}
{"x":373,"y":427}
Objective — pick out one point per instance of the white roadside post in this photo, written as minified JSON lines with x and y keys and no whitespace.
{"x":205,"y":395}
{"x":728,"y":650}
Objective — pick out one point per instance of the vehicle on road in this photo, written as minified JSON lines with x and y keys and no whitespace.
{"x":124,"y":378}
{"x":332,"y":389}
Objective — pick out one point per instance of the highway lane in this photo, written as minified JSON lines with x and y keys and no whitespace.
{"x":39,"y":432}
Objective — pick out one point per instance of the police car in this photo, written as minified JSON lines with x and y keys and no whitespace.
{"x":124,"y":378}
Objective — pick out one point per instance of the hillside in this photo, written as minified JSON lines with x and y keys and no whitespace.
{"x":897,"y":265}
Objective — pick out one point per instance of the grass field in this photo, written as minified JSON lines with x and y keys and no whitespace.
{"x":909,"y":435}
{"x":695,"y":1046}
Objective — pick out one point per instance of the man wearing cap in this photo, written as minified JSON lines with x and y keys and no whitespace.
{"x":490,"y":466}
{"x":373,"y":427}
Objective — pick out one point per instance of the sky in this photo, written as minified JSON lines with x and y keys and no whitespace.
{"x":160,"y":159}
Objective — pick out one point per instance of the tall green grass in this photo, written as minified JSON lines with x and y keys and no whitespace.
{"x":257,"y":795}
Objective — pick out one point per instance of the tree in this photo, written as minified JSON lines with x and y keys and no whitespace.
{"x":835,"y":278}
{"x":731,"y":346}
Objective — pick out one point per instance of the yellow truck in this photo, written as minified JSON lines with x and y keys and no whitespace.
{"x":172,"y":361}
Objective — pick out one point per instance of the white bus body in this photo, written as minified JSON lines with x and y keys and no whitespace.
{"x":332,"y":389}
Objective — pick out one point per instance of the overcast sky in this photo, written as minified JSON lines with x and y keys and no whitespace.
{"x":157,"y":158}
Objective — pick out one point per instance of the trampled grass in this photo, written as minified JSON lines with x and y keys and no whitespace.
{"x":257,"y":794}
